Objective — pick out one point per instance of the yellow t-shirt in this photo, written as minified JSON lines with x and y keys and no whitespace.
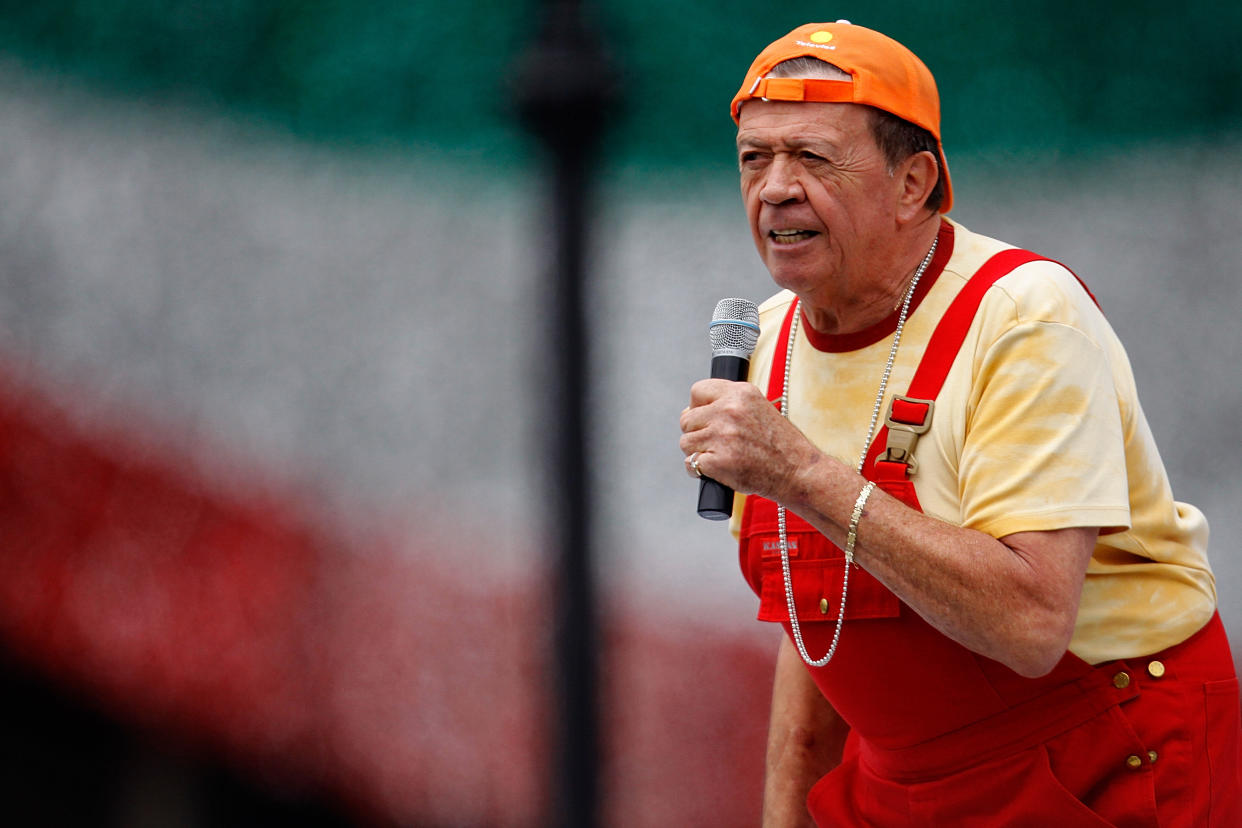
{"x":1038,"y":427}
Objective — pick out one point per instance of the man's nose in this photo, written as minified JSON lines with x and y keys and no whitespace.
{"x":782,"y":184}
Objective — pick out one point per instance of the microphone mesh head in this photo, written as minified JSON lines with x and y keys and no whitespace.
{"x":735,"y":327}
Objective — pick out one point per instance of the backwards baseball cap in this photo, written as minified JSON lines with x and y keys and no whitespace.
{"x":884,"y":74}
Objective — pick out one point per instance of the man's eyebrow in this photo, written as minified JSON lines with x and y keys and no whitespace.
{"x":793,"y":142}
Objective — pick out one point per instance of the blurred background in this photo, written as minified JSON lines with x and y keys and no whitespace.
{"x":274,"y":286}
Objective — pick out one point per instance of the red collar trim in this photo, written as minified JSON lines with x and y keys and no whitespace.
{"x":840,"y":343}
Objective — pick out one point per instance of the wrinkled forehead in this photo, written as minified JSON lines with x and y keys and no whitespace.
{"x":799,"y":125}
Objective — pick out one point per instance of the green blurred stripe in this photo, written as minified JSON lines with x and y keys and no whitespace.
{"x":1044,"y":76}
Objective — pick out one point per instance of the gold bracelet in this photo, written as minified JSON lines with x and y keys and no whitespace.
{"x":852,"y":536}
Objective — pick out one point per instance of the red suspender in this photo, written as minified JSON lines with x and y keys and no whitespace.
{"x":913,"y":409}
{"x":776,"y":380}
{"x":940,"y":353}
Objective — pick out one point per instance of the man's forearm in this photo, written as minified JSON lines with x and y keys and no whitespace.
{"x":1013,"y":599}
{"x":806,"y":737}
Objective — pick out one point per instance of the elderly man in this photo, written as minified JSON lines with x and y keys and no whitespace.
{"x":996,"y":612}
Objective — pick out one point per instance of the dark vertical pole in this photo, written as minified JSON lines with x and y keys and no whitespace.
{"x":564,"y":84}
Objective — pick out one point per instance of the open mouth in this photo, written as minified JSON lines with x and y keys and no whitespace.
{"x":790,"y":236}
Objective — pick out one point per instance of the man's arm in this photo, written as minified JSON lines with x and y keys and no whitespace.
{"x":805,"y":740}
{"x":1013,"y":599}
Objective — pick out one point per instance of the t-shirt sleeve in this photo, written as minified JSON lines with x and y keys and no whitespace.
{"x":1044,"y":447}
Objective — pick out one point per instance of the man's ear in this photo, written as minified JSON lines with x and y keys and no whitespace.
{"x":917,"y":176}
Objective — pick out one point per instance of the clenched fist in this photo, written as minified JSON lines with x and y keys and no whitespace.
{"x":735,"y":436}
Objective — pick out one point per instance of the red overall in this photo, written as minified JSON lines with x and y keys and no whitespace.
{"x":942,"y":736}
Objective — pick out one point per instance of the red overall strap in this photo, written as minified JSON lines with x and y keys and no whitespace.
{"x":776,"y":387}
{"x":776,"y":379}
{"x":942,"y":350}
{"x":929,"y":377}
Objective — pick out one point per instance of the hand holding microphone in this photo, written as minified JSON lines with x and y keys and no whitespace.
{"x":733,"y":332}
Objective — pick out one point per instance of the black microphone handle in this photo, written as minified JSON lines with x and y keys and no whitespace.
{"x":730,"y":367}
{"x":716,"y":499}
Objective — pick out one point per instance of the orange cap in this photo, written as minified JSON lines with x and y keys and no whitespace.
{"x":885,"y":75}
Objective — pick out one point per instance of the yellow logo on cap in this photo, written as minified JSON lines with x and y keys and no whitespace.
{"x":821,"y":37}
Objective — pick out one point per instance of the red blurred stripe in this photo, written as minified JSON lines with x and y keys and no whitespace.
{"x":239,"y":619}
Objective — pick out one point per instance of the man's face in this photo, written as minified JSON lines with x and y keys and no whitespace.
{"x":818,"y":195}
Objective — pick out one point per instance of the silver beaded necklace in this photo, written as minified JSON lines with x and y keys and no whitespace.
{"x":875,"y":419}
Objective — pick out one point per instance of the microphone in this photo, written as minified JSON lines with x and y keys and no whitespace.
{"x":733,"y":333}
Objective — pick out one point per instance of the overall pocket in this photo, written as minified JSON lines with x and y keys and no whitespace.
{"x":816,"y":573}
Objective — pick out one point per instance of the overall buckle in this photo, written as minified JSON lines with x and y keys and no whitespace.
{"x":907,"y":419}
